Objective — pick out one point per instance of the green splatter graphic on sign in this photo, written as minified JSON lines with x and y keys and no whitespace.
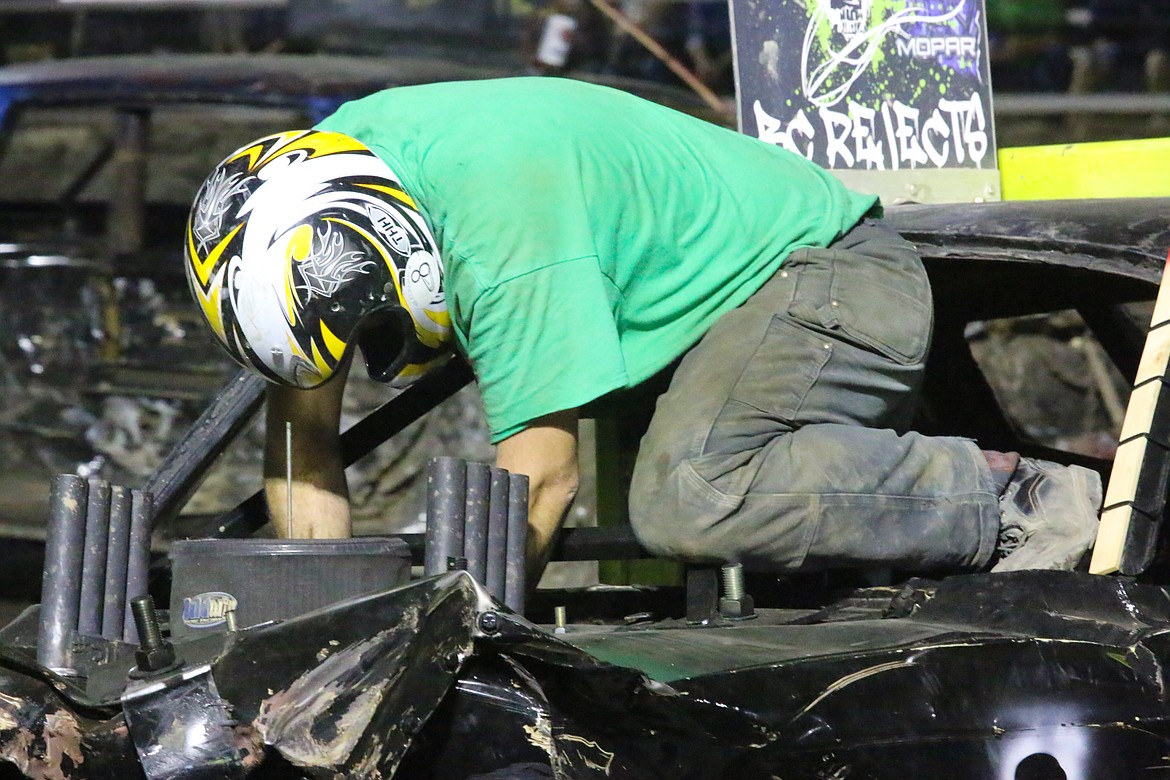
{"x":882,"y":10}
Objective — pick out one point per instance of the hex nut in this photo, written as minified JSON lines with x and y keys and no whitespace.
{"x":737,"y":609}
{"x":155,"y":659}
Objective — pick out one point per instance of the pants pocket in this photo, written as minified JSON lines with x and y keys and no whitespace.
{"x":783,"y":370}
{"x":879,"y":301}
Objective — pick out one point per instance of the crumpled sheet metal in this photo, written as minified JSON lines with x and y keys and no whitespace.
{"x":978,"y":676}
{"x":47,"y":737}
{"x":40,"y":741}
{"x":606,"y":721}
{"x":340,"y":692}
{"x":343,"y":691}
{"x":355,"y":689}
{"x":525,"y":688}
{"x":348,"y":691}
{"x":183,"y":731}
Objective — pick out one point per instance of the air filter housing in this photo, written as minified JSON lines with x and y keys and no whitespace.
{"x":276,"y":579}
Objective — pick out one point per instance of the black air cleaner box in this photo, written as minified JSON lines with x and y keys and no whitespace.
{"x":275,"y":579}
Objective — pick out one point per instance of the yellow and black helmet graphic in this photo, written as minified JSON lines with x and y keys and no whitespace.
{"x":295,"y":240}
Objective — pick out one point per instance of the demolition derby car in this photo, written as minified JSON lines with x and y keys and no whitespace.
{"x":428,"y":656}
{"x":425,"y":656}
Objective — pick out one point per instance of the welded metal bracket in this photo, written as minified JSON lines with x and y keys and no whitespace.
{"x":477,"y":519}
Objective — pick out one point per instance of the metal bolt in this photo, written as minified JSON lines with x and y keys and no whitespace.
{"x":154,"y":653}
{"x":146,"y":620}
{"x":489,"y":622}
{"x":735,"y":604}
{"x":733,"y":580}
{"x":559,"y":615}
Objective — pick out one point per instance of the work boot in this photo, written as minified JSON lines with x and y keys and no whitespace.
{"x":1048,"y":516}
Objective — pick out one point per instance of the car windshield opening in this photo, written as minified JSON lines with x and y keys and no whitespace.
{"x":63,"y":154}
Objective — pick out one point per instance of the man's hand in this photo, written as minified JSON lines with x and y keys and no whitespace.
{"x":547,"y":452}
{"x":320,"y":497}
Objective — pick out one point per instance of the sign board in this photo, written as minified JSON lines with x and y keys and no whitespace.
{"x":892,"y":95}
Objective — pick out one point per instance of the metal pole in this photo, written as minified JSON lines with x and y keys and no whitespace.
{"x":60,"y":584}
{"x":497,"y":535}
{"x":117,"y":563}
{"x":138,"y":562}
{"x":288,"y":474}
{"x":446,"y":488}
{"x":178,"y":475}
{"x":475,"y":527}
{"x":93,"y":567}
{"x":514,"y":576}
{"x":126,"y":220}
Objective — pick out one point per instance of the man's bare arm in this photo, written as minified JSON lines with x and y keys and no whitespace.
{"x":320,"y":496}
{"x":547,"y":452}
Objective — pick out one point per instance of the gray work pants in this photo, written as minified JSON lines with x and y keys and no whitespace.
{"x":782,"y":443}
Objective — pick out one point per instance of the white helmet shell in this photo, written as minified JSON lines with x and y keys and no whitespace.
{"x":295,"y":240}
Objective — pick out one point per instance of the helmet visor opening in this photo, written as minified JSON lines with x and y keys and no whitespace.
{"x":383,"y":341}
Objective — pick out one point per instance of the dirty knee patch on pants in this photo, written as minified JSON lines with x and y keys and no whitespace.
{"x":836,"y":339}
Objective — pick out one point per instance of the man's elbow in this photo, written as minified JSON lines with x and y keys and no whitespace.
{"x":568,"y":487}
{"x":556,"y":486}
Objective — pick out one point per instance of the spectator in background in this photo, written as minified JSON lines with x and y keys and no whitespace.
{"x":708,"y":44}
{"x":1120,"y":45}
{"x":697,"y":34}
{"x":1155,"y":38}
{"x":665,"y":22}
{"x":1028,"y":45}
{"x":568,"y":35}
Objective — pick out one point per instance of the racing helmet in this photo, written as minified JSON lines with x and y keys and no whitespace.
{"x":301,"y":244}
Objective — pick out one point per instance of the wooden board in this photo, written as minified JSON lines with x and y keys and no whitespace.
{"x":1136,"y":495}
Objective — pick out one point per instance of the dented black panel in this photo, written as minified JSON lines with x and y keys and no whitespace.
{"x":1126,"y":237}
{"x":975,"y":676}
{"x":1062,"y":665}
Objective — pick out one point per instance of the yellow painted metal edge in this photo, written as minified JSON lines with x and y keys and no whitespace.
{"x":1110,"y":169}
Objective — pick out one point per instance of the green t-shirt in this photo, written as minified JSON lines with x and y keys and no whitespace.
{"x":589,"y":237}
